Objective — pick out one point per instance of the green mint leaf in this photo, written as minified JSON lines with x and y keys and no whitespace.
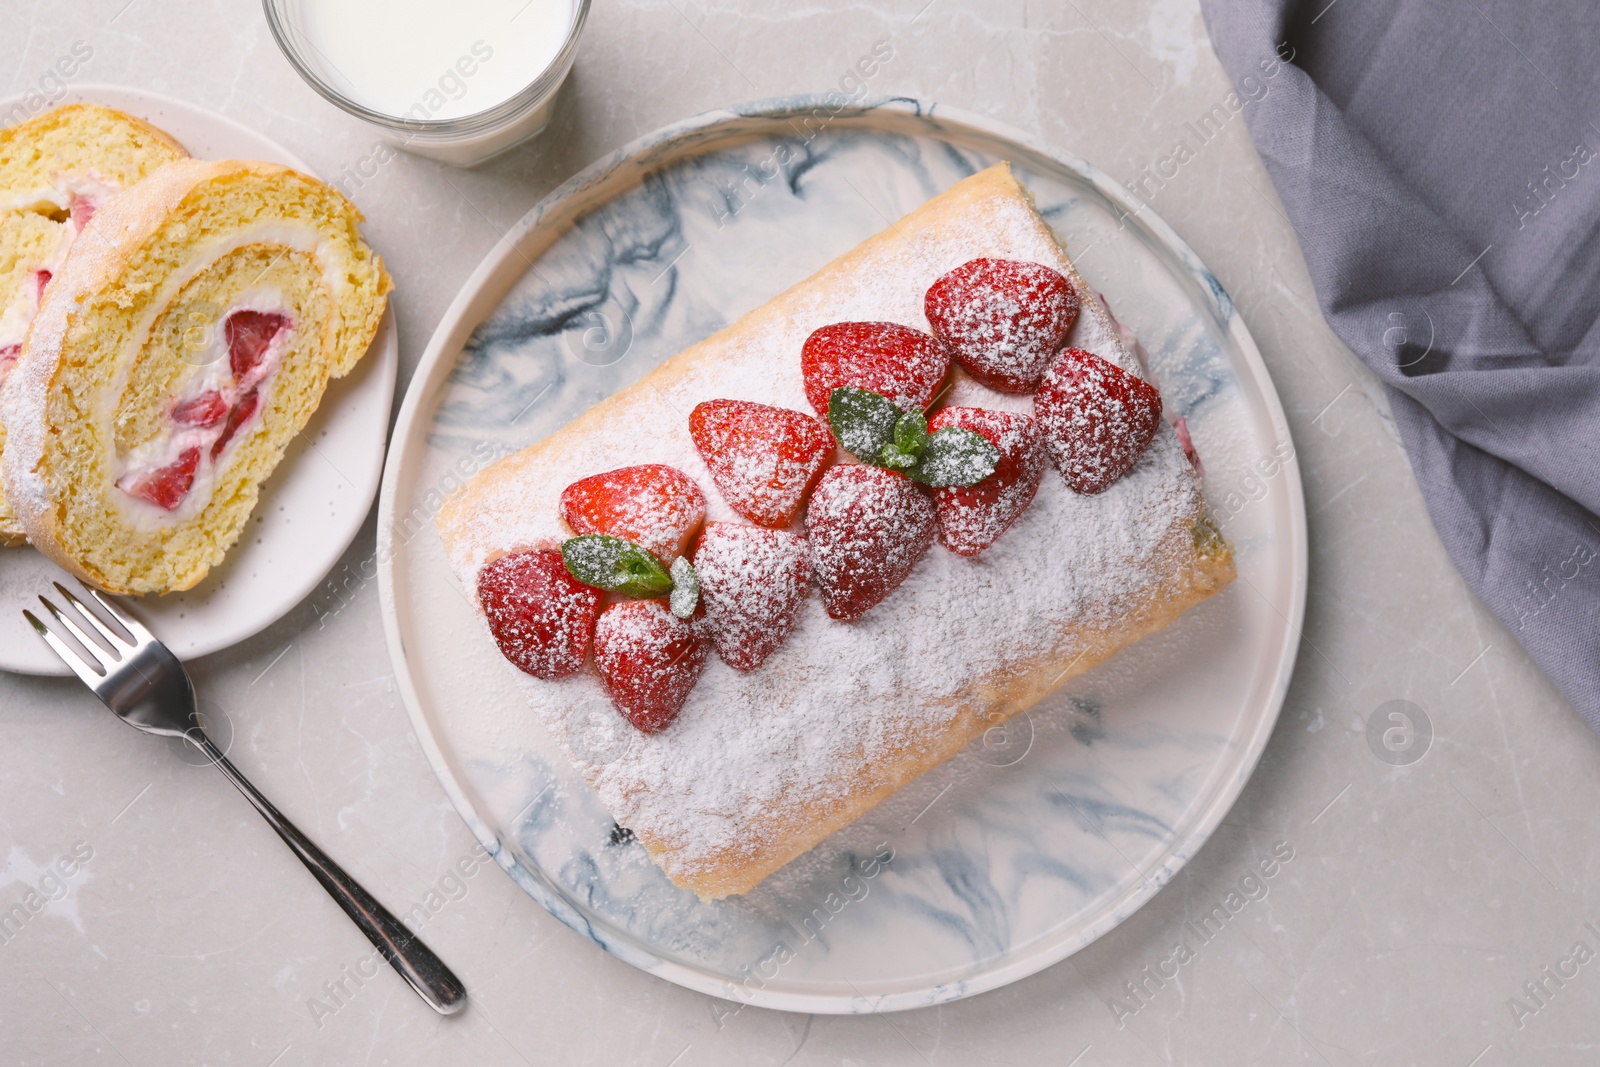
{"x":911,"y":433}
{"x":955,"y":456}
{"x":685,"y":588}
{"x":863,"y":422}
{"x":894,"y":459}
{"x":616,"y":565}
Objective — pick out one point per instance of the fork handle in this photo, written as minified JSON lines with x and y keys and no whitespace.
{"x":405,"y":952}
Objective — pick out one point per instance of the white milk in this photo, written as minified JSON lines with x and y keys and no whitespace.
{"x":433,"y":59}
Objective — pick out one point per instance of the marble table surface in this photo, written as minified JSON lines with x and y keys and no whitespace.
{"x":1434,"y":911}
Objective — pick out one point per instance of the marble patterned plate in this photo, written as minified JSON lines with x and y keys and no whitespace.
{"x":310,"y":509}
{"x":1034,"y":841}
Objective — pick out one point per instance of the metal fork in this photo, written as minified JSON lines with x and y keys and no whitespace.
{"x":137,"y":677}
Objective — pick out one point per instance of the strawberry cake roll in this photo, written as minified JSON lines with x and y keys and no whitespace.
{"x":820,"y":552}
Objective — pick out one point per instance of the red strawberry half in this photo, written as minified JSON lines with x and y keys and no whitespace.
{"x":972,"y":518}
{"x":541,"y":617}
{"x":167,"y":486}
{"x":752,"y":582}
{"x":1097,"y":419}
{"x":895,"y":361}
{"x":249,"y":333}
{"x":650,"y":660}
{"x":1003,"y":319}
{"x":658,"y":508}
{"x":764,"y":460}
{"x":867,"y":527}
{"x":238,"y":415}
{"x":207,"y":409}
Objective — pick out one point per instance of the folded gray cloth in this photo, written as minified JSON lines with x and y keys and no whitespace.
{"x":1441,"y":165}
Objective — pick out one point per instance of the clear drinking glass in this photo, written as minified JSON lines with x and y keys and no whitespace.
{"x":462,"y":140}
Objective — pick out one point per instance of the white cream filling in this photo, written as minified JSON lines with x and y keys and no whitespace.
{"x":63,"y":192}
{"x":18,"y":314}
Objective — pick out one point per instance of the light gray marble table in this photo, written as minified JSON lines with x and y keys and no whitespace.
{"x":1421,"y":901}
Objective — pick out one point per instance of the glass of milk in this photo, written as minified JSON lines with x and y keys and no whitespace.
{"x":455,"y":80}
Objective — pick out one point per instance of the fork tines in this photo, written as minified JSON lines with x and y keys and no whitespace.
{"x":82,"y":622}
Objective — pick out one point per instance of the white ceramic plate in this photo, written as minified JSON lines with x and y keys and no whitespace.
{"x":310,"y":509}
{"x":1007,"y":858}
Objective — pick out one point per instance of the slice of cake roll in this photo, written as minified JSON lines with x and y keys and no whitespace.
{"x":188,"y":339}
{"x":55,"y":172}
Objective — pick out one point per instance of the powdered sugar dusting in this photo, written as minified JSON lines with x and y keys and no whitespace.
{"x":1003,"y":319}
{"x":653,"y":505}
{"x":1096,"y":419}
{"x":751,"y":582}
{"x":541,"y":617}
{"x":1180,"y":426}
{"x":971,"y":518}
{"x":902,"y":364}
{"x":650,"y":660}
{"x":763,"y":459}
{"x":757,"y":764}
{"x":868,"y":527}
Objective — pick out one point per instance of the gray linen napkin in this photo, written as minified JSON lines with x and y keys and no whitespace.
{"x":1441,"y":165}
